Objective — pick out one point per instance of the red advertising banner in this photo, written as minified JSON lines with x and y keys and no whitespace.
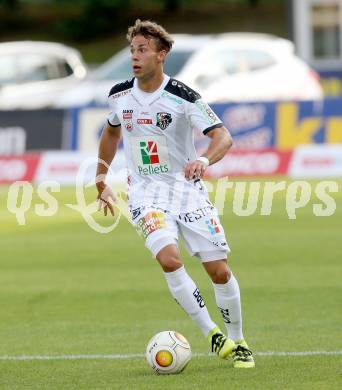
{"x":269,"y":162}
{"x":316,"y":161}
{"x":18,"y":168}
{"x":308,"y":161}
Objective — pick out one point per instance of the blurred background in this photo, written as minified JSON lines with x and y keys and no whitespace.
{"x":272,"y":70}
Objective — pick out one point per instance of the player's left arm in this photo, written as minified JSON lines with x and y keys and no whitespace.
{"x":221,"y":142}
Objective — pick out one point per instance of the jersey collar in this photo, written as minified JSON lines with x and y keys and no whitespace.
{"x":147,"y":98}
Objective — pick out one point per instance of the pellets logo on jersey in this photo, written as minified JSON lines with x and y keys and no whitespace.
{"x":213,"y":227}
{"x":150,"y":155}
{"x":149,"y":152}
{"x":163,"y":120}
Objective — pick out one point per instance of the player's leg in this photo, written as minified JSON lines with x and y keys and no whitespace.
{"x":183,"y":288}
{"x":161,"y":234}
{"x":205,"y":239}
{"x":194,"y":236}
{"x":227,"y":294}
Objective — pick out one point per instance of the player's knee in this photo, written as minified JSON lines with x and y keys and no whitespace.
{"x":170,"y":263}
{"x":221,"y":275}
{"x":169,"y":259}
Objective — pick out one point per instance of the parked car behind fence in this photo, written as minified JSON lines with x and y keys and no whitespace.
{"x":222,"y":68}
{"x":36,"y":74}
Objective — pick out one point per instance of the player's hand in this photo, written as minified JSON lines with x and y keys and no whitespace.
{"x":106,"y":198}
{"x":194,"y":170}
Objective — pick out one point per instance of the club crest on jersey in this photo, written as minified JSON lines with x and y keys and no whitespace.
{"x":163,"y":120}
{"x":127,"y":119}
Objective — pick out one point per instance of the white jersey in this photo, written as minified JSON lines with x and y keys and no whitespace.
{"x":158,"y":137}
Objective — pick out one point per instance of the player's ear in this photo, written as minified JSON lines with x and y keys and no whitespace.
{"x":162,"y":55}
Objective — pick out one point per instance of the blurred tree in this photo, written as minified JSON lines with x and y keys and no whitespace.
{"x":172,"y":5}
{"x":253,"y":3}
{"x":10,"y":4}
{"x":96,"y":18}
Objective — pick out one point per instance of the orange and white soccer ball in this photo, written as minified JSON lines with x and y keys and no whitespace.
{"x":168,"y":352}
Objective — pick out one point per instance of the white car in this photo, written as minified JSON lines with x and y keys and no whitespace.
{"x":228,"y":67}
{"x":35,"y":74}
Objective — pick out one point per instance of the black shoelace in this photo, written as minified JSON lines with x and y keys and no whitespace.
{"x":242,"y":352}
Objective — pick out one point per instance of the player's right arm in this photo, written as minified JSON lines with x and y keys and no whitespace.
{"x":108,"y":146}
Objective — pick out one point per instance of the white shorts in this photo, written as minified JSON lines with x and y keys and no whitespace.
{"x":200,"y":229}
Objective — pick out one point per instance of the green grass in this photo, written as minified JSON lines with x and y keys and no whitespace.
{"x":65,"y":289}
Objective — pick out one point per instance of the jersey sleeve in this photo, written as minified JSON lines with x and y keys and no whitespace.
{"x":202,"y":117}
{"x":112,"y":117}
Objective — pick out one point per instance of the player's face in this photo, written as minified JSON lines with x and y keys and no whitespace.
{"x":145,"y":57}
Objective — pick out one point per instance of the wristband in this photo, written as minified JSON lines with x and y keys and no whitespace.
{"x":204,"y":160}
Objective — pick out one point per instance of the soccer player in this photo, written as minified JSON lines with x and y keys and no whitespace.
{"x":156,"y":115}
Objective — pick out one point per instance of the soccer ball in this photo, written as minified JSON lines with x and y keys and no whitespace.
{"x":168,"y":352}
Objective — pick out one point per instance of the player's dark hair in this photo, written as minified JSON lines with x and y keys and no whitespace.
{"x":149,"y":29}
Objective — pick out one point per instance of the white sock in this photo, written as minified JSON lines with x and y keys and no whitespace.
{"x":188,"y":296}
{"x":228,"y":301}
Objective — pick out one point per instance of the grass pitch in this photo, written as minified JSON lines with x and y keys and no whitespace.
{"x":67,"y":290}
